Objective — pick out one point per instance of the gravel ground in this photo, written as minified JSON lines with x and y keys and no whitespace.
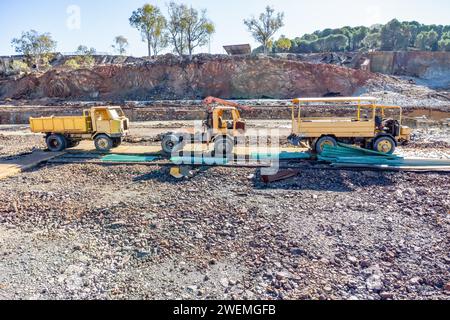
{"x":132,"y":232}
{"x":13,"y":145}
{"x":86,"y":231}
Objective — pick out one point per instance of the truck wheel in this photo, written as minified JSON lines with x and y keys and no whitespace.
{"x":56,"y":142}
{"x":117,"y":142}
{"x":171,"y":143}
{"x":103,"y":143}
{"x":223,"y":147}
{"x":384,"y":145}
{"x":325,"y":141}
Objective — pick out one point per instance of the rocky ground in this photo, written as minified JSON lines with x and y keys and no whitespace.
{"x":132,"y":232}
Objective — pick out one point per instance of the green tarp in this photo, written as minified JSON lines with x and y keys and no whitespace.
{"x":281,"y":156}
{"x":345,"y":154}
{"x":127,"y":158}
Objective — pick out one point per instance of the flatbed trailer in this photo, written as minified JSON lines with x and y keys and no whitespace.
{"x":375,"y":131}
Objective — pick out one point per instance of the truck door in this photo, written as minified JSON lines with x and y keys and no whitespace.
{"x":88,"y":118}
{"x":102,"y":121}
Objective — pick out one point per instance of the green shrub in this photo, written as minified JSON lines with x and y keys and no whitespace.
{"x":20,"y":67}
{"x":72,"y":64}
{"x":88,"y":61}
{"x":82,"y":61}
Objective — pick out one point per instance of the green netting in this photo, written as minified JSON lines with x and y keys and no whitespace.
{"x":345,"y":154}
{"x":127,"y":158}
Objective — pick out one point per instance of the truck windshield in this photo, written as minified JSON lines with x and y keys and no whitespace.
{"x":114,"y":114}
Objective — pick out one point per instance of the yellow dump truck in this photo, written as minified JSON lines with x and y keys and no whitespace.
{"x":106,"y":126}
{"x":377,"y":127}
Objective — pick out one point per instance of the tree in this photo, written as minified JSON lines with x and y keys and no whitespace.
{"x":444,"y":45}
{"x":394,"y":36}
{"x":309,"y":37}
{"x":177,"y":27}
{"x":188,"y":28}
{"x":446,"y":35}
{"x":427,"y":40}
{"x":333,"y":42}
{"x":414,"y":29}
{"x":264,"y":28}
{"x":372,"y":41}
{"x":358,"y":36}
{"x":198,"y":29}
{"x":84,"y":58}
{"x":72,"y":64}
{"x":283,"y":44}
{"x":152,"y":25}
{"x":120,"y":45}
{"x":85,"y":51}
{"x":303,"y":46}
{"x":38,"y":48}
{"x":20,"y":67}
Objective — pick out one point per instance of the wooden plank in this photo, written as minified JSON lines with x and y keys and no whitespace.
{"x":15,"y":166}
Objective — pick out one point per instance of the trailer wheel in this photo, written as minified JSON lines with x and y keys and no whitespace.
{"x":223,"y":147}
{"x":103,"y":143}
{"x":325,"y":141}
{"x":385,"y":145}
{"x":171,"y":143}
{"x":56,"y":142}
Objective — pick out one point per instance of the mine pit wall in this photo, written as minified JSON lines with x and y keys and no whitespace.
{"x":430,"y":68}
{"x":20,"y":115}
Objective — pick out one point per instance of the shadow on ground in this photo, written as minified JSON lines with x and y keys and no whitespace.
{"x":328,"y":180}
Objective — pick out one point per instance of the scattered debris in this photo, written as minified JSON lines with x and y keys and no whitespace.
{"x":281,"y":175}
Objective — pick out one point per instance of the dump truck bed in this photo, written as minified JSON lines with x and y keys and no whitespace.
{"x":66,"y":125}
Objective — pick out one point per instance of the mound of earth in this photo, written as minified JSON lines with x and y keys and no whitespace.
{"x":169,"y":77}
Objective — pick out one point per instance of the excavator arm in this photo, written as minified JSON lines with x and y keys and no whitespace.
{"x":213,"y":100}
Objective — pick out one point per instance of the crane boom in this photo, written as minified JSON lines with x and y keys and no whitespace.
{"x":213,"y":100}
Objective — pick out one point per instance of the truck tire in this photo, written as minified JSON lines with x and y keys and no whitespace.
{"x":223,"y":147}
{"x":171,"y":143}
{"x":56,"y":142}
{"x":324,"y":141}
{"x":384,"y":144}
{"x":103,"y":143}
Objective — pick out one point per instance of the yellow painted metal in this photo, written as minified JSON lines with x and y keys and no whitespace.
{"x":334,"y":100}
{"x":59,"y":124}
{"x":220,"y":123}
{"x":404,"y":131}
{"x":176,"y":172}
{"x":341,"y":128}
{"x":385,"y":146}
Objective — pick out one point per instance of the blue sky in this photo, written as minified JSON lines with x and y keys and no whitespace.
{"x":102,"y":20}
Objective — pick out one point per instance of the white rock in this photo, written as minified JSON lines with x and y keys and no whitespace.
{"x":374,"y":283}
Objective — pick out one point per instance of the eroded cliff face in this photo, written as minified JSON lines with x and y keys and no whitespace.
{"x":428,"y":68}
{"x":169,"y":77}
